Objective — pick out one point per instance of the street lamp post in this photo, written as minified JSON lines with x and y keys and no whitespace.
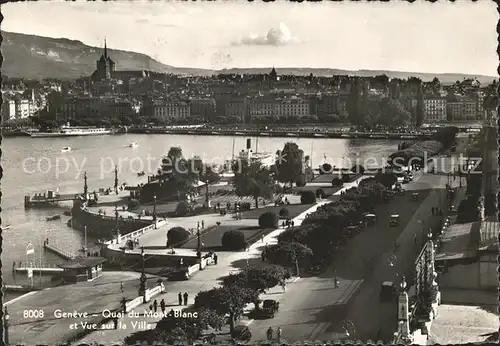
{"x":142,"y":283}
{"x":198,"y":246}
{"x":6,"y":326}
{"x":116,"y":223}
{"x":116,"y":179}
{"x":154,"y":208}
{"x":85,"y":186}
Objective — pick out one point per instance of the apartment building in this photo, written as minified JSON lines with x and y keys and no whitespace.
{"x":435,"y":110}
{"x":171,"y":111}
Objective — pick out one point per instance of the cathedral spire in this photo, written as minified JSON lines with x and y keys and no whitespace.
{"x":105,"y":49}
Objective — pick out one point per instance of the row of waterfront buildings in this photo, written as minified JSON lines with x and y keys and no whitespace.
{"x":238,"y":109}
{"x":238,"y":99}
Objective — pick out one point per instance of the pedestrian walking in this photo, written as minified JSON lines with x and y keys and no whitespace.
{"x":186,"y":296}
{"x":155,"y":305}
{"x":121,"y":286}
{"x":283,"y":224}
{"x":293,"y":223}
{"x":336,"y":281}
{"x":163,"y":306}
{"x":202,"y":224}
{"x":215,"y":258}
{"x":180,"y":298}
{"x":283,"y":286}
{"x":269,"y":334}
{"x":115,"y":322}
{"x":150,"y":307}
{"x":278,"y":334}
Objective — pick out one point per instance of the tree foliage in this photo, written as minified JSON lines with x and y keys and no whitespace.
{"x":285,"y":253}
{"x":289,"y":163}
{"x":259,"y":279}
{"x":252,"y":180}
{"x":226,"y":300}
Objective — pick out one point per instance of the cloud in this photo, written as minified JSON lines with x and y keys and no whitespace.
{"x":274,"y":37}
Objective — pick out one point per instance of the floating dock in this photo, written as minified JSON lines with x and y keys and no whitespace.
{"x":38,"y":270}
{"x":48,"y":198}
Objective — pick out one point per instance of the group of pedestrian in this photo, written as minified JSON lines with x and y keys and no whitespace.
{"x":436,"y":211}
{"x":154,"y":306}
{"x":181,"y":296}
{"x":270,"y":333}
{"x":288,"y":223}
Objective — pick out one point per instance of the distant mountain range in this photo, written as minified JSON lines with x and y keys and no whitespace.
{"x":31,"y":56}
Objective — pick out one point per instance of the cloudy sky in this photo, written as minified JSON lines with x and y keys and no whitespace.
{"x":425,"y":37}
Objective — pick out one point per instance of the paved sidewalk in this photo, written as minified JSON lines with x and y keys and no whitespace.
{"x":202,"y":280}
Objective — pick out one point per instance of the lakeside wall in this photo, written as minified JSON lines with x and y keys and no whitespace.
{"x":104,"y":226}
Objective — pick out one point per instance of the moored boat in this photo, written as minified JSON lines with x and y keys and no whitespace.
{"x":54,"y":217}
{"x":65,"y":149}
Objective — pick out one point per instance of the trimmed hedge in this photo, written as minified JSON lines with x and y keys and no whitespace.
{"x":337,"y":182}
{"x":320,"y":193}
{"x":284,"y":213}
{"x":233,"y":240}
{"x":177,"y":236}
{"x":307,"y":197}
{"x":268,"y":220}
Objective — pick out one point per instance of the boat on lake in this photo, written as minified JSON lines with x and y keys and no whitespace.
{"x":71,"y":131}
{"x":6,"y":227}
{"x":133,"y":145}
{"x":65,"y":149}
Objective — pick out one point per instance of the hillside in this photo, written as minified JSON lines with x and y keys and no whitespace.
{"x":445,"y":78}
{"x":31,"y":56}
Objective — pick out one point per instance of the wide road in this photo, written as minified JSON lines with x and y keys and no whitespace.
{"x":315,"y":309}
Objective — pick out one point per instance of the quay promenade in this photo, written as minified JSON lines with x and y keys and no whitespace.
{"x":303,"y":133}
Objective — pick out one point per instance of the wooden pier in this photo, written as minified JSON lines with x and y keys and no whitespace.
{"x":48,"y":198}
{"x":58,"y":251}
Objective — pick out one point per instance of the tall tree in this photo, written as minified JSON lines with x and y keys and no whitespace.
{"x":251,"y":179}
{"x":289,"y":163}
{"x":226,"y":300}
{"x":354,"y":103}
{"x":420,"y":106}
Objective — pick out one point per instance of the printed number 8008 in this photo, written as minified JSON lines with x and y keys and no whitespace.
{"x":32,"y":313}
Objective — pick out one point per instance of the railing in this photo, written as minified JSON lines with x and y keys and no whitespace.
{"x":34,"y":265}
{"x":59,"y":251}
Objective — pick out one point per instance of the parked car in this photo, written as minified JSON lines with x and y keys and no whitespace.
{"x":178,"y":275}
{"x":242,"y":333}
{"x":268,"y":309}
{"x":394,"y":220}
{"x":387,"y":291}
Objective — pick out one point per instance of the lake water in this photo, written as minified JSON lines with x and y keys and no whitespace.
{"x":36,"y":165}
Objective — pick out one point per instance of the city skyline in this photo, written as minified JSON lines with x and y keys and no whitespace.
{"x":202,"y":35}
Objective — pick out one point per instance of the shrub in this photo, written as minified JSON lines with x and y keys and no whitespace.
{"x":326,"y":168}
{"x":307,"y":197}
{"x":320,"y":193}
{"x":268,"y":220}
{"x":233,"y":240}
{"x":183,"y":208}
{"x":133,"y":204}
{"x":284,"y":213}
{"x":177,"y":236}
{"x":337,"y":182}
{"x":301,"y":181}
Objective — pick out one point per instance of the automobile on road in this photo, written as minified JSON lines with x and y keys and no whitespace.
{"x":268,"y":309}
{"x":394,"y":220}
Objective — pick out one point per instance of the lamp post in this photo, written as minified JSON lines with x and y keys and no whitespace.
{"x":116,"y":179}
{"x":142,"y":280}
{"x":85,"y":186}
{"x":6,"y":326}
{"x":154,"y":208}
{"x":116,"y":223}
{"x":198,"y":246}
